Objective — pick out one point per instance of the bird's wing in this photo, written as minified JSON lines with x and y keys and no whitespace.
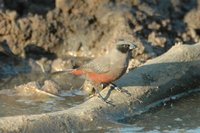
{"x":98,"y":65}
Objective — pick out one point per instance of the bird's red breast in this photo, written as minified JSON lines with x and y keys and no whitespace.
{"x":94,"y":77}
{"x":100,"y":78}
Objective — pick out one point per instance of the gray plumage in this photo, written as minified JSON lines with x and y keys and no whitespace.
{"x":114,"y":63}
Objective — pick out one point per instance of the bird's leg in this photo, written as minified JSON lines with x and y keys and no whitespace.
{"x":97,"y":93}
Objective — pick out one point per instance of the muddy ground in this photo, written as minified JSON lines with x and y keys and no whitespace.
{"x":54,"y":35}
{"x":59,"y":28}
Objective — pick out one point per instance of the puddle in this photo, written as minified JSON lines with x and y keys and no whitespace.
{"x":19,"y":96}
{"x":20,"y":105}
{"x":27,"y":87}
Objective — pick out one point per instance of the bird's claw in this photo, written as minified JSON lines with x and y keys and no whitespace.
{"x":97,"y":93}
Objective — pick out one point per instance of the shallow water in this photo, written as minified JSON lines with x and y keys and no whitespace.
{"x":31,"y":101}
{"x":19,"y":105}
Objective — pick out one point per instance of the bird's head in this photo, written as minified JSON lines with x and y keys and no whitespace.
{"x":125,"y":46}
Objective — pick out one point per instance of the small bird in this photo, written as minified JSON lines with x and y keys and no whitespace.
{"x":107,"y":68}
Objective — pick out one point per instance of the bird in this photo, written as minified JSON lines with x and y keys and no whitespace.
{"x":105,"y":69}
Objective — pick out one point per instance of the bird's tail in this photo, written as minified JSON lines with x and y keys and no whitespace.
{"x":62,"y":72}
{"x":77,"y":72}
{"x":71,"y":71}
{"x":68,"y":71}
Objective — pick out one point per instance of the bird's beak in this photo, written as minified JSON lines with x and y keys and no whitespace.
{"x":132,"y":46}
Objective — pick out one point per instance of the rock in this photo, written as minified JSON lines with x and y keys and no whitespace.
{"x":61,"y":65}
{"x":192,"y":19}
{"x":51,"y":87}
{"x":156,"y":40}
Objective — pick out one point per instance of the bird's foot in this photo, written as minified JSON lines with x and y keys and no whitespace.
{"x":103,"y":99}
{"x":123,"y":91}
{"x":97,"y":93}
{"x":119,"y":89}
